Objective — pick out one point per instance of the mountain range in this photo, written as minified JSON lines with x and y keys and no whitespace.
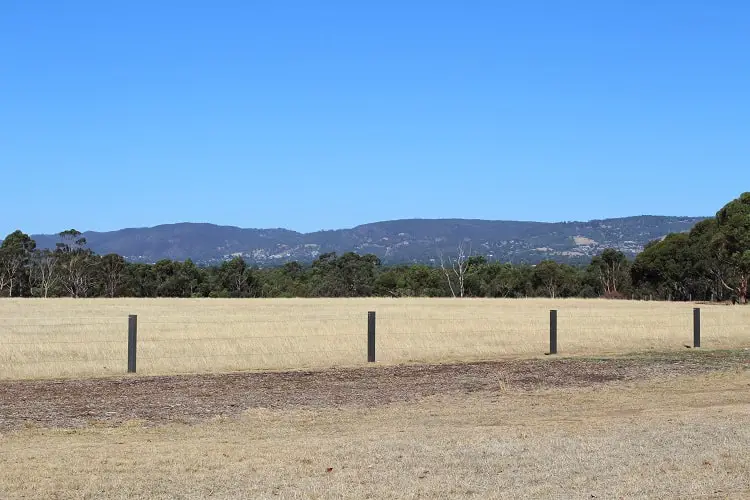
{"x":396,"y":241}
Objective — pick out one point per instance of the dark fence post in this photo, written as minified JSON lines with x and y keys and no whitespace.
{"x":371,"y":337}
{"x":132,"y":340}
{"x":696,"y":327}
{"x":553,"y":331}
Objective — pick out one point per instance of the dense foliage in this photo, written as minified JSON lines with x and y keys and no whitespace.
{"x":711,"y":262}
{"x":72,"y":270}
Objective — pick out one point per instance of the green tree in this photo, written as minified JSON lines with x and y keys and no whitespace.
{"x":191,"y":278}
{"x":612,"y":270}
{"x":492,"y":280}
{"x":425,"y":281}
{"x":77,"y":264}
{"x":664,"y":268}
{"x":288,"y":280}
{"x":475,"y":266}
{"x":350,"y":275}
{"x":170,"y":281}
{"x":732,"y":244}
{"x":235,"y":278}
{"x":391,"y":282}
{"x":416,"y":280}
{"x":709,"y":270}
{"x":549,"y":277}
{"x":358,"y":273}
{"x":15,"y":260}
{"x":140,"y":280}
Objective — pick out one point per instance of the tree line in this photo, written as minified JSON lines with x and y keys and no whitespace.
{"x":711,"y":262}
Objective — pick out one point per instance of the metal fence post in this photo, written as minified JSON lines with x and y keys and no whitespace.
{"x":553,"y":331}
{"x":371,"y":337}
{"x":696,"y":327}
{"x":132,"y":341}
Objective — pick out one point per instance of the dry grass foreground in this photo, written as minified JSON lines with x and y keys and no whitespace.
{"x":72,"y":338}
{"x":667,"y":429}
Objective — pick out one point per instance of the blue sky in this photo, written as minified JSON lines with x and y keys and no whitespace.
{"x":319,"y":115}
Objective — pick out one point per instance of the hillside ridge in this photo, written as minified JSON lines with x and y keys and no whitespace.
{"x":394,"y":241}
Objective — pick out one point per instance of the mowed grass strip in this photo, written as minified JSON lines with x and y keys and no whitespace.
{"x":676,"y":438}
{"x":88,"y":337}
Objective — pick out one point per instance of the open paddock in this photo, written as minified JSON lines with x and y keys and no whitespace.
{"x":88,"y":337}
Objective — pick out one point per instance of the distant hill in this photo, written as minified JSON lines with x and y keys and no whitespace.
{"x":397,"y":241}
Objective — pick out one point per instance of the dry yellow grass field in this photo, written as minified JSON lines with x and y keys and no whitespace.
{"x":71,"y":338}
{"x":674,"y":438}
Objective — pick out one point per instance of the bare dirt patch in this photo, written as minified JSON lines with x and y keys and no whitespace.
{"x":648,"y":426}
{"x":195,"y":398}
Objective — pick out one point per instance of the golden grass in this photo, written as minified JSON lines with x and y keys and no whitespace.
{"x":66,"y":337}
{"x":681,"y":438}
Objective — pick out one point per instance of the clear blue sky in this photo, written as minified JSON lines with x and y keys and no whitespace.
{"x":327,"y":114}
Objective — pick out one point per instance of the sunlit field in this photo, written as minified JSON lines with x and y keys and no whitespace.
{"x":72,"y":338}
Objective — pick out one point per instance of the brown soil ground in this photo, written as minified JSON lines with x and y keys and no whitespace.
{"x":195,"y":398}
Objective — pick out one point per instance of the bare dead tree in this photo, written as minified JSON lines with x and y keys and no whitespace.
{"x":608,"y":277}
{"x":5,"y":279}
{"x":77,"y":273}
{"x":113,"y":273}
{"x":456,"y":270}
{"x":44,"y":272}
{"x":551,"y":285}
{"x":447,"y":274}
{"x":10,"y":267}
{"x":611,"y":269}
